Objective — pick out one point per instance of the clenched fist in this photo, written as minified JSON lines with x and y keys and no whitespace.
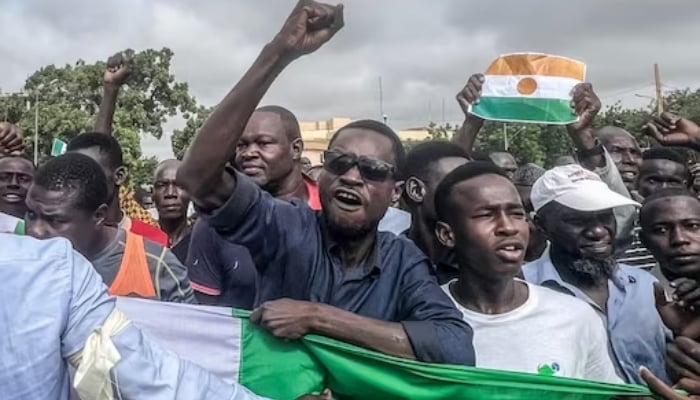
{"x":308,"y":27}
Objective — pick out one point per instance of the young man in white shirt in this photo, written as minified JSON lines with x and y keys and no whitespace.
{"x":517,"y":326}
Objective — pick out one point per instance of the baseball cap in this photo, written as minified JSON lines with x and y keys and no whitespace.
{"x":578,"y":188}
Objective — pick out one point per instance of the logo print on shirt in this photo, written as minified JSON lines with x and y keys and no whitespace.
{"x":548,"y":369}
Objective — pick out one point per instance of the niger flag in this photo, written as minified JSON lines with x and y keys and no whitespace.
{"x":529,"y":87}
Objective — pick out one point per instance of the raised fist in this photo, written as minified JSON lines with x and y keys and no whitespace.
{"x":471,"y":92}
{"x":308,"y":27}
{"x":11,"y":140}
{"x":585,"y":104}
{"x":671,"y":130}
{"x":117,"y":71}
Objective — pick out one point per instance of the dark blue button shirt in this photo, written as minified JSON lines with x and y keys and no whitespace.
{"x":296,"y":260}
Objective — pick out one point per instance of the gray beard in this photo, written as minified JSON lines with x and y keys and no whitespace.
{"x":592,"y":270}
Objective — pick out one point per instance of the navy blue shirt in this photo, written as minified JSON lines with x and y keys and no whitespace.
{"x":220,"y":269}
{"x":296,"y":260}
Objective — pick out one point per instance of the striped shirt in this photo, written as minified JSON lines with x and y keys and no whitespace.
{"x":636,"y":254}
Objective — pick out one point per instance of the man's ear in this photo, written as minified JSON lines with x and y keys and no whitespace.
{"x":297,"y":149}
{"x":100,"y":215}
{"x":120,"y":175}
{"x":445,"y":235}
{"x":415,"y":190}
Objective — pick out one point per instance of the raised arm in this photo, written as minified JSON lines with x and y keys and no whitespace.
{"x":202,"y":172}
{"x":590,"y":152}
{"x":671,"y":130}
{"x":116,"y":73}
{"x":466,"y":136}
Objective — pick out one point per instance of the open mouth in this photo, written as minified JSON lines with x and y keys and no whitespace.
{"x":347,"y":199}
{"x":12,"y":198}
{"x":512,"y":252}
{"x":628,"y":176}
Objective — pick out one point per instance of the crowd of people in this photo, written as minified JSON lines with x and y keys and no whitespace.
{"x":443,"y":254}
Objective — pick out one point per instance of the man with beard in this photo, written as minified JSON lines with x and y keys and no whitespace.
{"x":483,"y":220}
{"x":575,"y":210}
{"x":331,"y":272}
{"x":524,"y":178}
{"x":426,"y":165}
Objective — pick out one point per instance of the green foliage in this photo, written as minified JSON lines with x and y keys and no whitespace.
{"x":69,"y":97}
{"x":182,"y":137}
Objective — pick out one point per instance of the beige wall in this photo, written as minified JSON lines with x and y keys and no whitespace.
{"x":317,"y":134}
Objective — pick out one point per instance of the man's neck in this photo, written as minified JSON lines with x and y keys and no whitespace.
{"x":423,"y":235}
{"x":488,"y":296}
{"x":104,"y":236}
{"x":356,"y":252}
{"x":114,"y":213}
{"x":291,"y":187}
{"x":175,"y":228}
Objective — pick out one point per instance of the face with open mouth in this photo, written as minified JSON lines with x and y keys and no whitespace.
{"x":354,"y":201}
{"x":671,"y":231}
{"x":16,"y":176}
{"x":487,"y":226}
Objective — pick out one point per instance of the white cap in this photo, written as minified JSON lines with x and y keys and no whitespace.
{"x":577,"y":188}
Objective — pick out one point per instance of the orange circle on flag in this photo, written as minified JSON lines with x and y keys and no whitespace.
{"x":527,"y":86}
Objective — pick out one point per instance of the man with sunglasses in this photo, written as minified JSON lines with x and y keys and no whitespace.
{"x":327,"y":272}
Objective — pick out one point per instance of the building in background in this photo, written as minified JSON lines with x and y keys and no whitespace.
{"x":317,"y":134}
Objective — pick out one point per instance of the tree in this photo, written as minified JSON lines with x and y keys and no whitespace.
{"x":182,"y":137}
{"x":69,"y":96}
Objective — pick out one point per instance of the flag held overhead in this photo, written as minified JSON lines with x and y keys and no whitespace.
{"x":530,"y":87}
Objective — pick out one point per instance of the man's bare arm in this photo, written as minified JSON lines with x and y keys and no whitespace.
{"x":115,"y":75}
{"x":586,"y":105}
{"x":202,"y":172}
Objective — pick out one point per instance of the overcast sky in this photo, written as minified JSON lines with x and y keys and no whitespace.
{"x":423,"y":50}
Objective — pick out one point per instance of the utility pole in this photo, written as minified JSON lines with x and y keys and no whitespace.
{"x":381,"y":101}
{"x":659,"y":94}
{"x":505,"y":136}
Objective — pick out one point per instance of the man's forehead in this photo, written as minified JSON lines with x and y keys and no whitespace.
{"x":265,"y":123}
{"x":16,"y":164}
{"x":494,"y":188}
{"x":663,"y":167}
{"x":673,"y":208}
{"x":364,"y":142}
{"x":167,"y":170}
{"x":47,"y":197}
{"x":619,"y":139}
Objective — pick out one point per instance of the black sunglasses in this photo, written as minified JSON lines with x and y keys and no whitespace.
{"x":339,"y":163}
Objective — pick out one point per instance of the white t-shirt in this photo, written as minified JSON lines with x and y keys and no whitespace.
{"x":550,"y":334}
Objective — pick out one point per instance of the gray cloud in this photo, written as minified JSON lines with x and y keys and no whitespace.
{"x":424,"y":51}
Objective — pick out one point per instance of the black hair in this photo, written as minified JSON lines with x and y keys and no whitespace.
{"x":483,"y":156}
{"x":107,"y":145}
{"x":421,"y":158}
{"x":443,"y":204}
{"x":662,"y":194}
{"x":289,"y":120}
{"x":75,"y":172}
{"x":384,"y":130}
{"x":664,"y":153}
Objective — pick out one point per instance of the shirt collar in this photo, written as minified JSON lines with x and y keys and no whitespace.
{"x":374,"y":260}
{"x":546,"y":272}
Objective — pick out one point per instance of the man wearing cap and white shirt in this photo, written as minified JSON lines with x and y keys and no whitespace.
{"x":575,"y":210}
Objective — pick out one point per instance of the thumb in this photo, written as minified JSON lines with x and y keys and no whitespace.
{"x":657,"y":386}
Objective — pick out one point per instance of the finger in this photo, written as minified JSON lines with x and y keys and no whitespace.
{"x":256,"y":315}
{"x":684,"y":285}
{"x":463,"y":103}
{"x":657,"y":386}
{"x":327,"y":394}
{"x":689,"y":347}
{"x":686,"y":365}
{"x":690,"y":298}
{"x":691,"y":386}
{"x":472,"y":94}
{"x":653,"y":131}
{"x":672,"y":119}
{"x":676,"y":368}
{"x":662,"y":123}
{"x":477,"y":81}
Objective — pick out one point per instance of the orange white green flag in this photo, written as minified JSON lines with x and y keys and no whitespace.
{"x":530,"y":87}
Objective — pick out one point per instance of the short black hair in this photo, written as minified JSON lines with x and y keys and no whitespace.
{"x":75,"y":172}
{"x":664,"y":153}
{"x":421,"y":158}
{"x":443,"y":205}
{"x":662,"y":194}
{"x":384,"y":130}
{"x":107,"y":145}
{"x":289,"y":120}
